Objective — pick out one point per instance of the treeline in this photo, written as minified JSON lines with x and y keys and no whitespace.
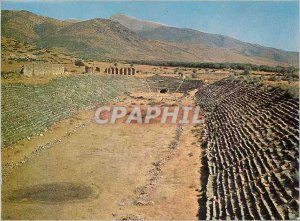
{"x":234,"y":66}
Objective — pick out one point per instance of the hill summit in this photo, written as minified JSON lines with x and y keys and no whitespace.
{"x":135,"y":24}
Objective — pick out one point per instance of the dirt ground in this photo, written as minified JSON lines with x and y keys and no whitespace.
{"x":81,"y":170}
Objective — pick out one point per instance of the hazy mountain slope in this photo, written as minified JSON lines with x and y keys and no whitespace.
{"x":72,"y":20}
{"x":133,"y":23}
{"x":103,"y":38}
{"x":107,"y":39}
{"x":97,"y":36}
{"x":182,"y":35}
{"x":185,"y":35}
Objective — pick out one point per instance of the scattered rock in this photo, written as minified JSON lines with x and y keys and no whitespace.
{"x":122,"y":202}
{"x":141,"y":202}
{"x":132,"y":217}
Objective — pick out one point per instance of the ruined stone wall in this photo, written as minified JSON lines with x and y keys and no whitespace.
{"x":40,"y":69}
{"x":121,"y":71}
{"x":27,"y":70}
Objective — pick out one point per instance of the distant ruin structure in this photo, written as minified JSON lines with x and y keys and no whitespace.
{"x":120,"y":71}
{"x":41,"y":69}
{"x":88,"y":69}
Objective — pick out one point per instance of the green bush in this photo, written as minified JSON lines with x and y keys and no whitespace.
{"x":79,"y":62}
{"x":9,"y":74}
{"x":234,"y":66}
{"x":246,"y":72}
{"x":272,"y":78}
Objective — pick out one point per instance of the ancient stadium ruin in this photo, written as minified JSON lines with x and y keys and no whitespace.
{"x":249,"y":142}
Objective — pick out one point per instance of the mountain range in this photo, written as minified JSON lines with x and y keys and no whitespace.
{"x":123,"y":37}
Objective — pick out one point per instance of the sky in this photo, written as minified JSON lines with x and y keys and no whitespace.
{"x":269,"y":23}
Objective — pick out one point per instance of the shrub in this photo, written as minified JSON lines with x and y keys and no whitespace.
{"x":246,"y":72}
{"x":234,"y":66}
{"x":194,"y":75}
{"x":9,"y":74}
{"x":79,"y":62}
{"x":230,"y":77}
{"x":261,"y":78}
{"x":292,"y":91}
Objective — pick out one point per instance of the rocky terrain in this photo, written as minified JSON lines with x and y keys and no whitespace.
{"x":251,"y":141}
